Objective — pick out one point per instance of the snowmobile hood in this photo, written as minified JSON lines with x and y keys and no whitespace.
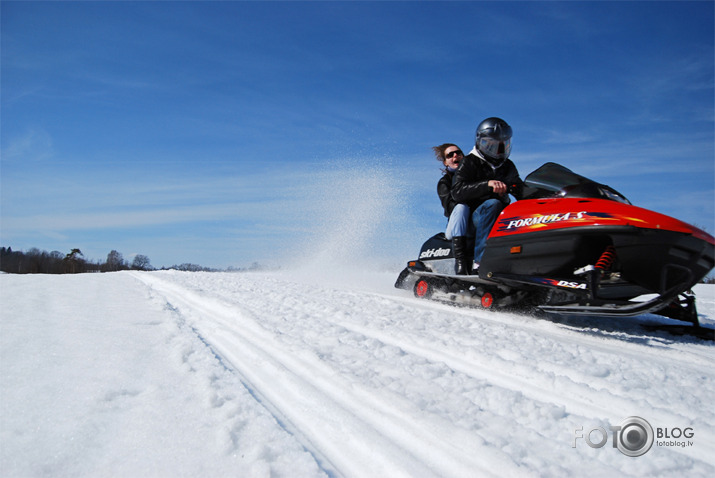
{"x":534,"y":215}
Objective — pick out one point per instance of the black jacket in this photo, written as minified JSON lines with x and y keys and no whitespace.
{"x":470,"y":184}
{"x":444,"y":191}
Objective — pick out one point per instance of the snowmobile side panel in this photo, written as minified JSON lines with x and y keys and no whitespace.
{"x":542,"y":253}
{"x":657,"y":260}
{"x":437,"y":247}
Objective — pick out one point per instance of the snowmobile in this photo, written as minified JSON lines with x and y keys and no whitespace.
{"x":573,"y":246}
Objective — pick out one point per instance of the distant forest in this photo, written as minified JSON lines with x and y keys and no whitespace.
{"x":35,"y":261}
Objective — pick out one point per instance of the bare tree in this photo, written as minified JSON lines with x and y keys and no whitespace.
{"x":141,"y":262}
{"x":115,"y":261}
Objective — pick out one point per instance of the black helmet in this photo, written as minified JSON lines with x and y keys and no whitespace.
{"x":493,"y":139}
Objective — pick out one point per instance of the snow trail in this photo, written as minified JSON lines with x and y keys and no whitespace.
{"x":313,"y":397}
{"x":554,"y":373}
{"x":300,"y":375}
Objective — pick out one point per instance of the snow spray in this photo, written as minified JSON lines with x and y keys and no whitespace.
{"x":357,"y":221}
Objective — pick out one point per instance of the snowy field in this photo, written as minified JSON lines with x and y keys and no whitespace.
{"x":169,"y":374}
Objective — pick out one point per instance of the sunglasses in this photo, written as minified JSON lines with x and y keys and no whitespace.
{"x":453,"y":153}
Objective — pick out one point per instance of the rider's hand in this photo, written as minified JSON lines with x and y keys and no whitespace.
{"x":498,"y":187}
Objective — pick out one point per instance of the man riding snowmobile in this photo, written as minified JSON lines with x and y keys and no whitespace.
{"x":483,"y":181}
{"x":569,"y":246}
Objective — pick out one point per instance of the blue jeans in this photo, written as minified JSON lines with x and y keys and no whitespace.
{"x":484,"y":217}
{"x":460,"y":223}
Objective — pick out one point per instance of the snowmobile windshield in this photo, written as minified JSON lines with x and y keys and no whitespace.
{"x":553,"y":180}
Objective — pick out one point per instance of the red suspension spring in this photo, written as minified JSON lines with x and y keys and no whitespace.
{"x":606,"y":260}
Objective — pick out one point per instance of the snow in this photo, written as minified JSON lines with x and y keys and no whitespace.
{"x":304,"y":373}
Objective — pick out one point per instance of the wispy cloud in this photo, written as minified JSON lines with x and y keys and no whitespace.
{"x":69,"y":221}
{"x":33,"y":145}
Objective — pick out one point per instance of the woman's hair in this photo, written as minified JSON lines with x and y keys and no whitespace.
{"x":439,"y":152}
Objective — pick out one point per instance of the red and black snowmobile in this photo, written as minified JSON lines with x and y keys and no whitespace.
{"x":574,"y":247}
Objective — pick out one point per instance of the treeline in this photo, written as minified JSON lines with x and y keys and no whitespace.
{"x":35,"y":261}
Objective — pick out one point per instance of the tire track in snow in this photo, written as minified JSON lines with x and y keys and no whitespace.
{"x":649,"y":346}
{"x":577,"y":392}
{"x":524,"y":378}
{"x":585,"y":395}
{"x":577,"y":397}
{"x":329,"y":410}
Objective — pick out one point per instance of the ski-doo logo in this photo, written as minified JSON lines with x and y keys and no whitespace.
{"x":439,"y":252}
{"x":515,"y":223}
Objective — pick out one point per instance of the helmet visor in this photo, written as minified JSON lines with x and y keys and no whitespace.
{"x":494,"y":148}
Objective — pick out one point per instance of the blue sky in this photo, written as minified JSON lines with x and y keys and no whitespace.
{"x":223,"y":133}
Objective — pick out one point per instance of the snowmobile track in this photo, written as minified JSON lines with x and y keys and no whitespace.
{"x":306,"y":394}
{"x":566,"y":388}
{"x":302,"y":391}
